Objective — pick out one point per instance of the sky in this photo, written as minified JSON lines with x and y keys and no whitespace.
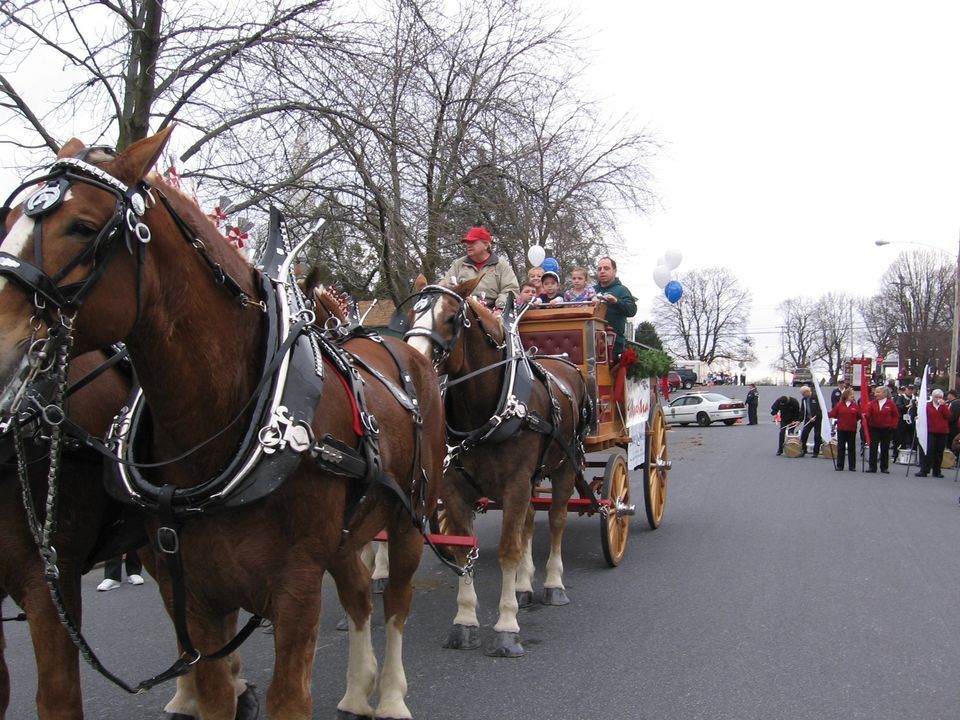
{"x":794,"y":136}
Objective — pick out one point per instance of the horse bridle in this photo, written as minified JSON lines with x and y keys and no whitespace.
{"x":131,"y":204}
{"x":426,"y":300}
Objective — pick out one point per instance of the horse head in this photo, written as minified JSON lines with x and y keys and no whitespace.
{"x":61,"y":243}
{"x":442,"y":320}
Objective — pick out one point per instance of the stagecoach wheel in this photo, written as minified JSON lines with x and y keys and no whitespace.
{"x":615,"y":527}
{"x":655,"y":468}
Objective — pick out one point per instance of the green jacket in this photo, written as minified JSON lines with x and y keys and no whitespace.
{"x":617,"y":314}
{"x":498,"y":277}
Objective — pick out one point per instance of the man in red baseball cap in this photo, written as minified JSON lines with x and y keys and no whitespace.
{"x":498,"y":277}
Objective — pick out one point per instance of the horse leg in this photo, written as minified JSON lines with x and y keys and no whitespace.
{"x":465,"y":633}
{"x":353,"y":587}
{"x":506,"y":641}
{"x":58,"y":661}
{"x":296,"y":624}
{"x":381,"y":568}
{"x":553,"y":591}
{"x":526,"y":569}
{"x":405,"y":551}
{"x":213,"y":680}
{"x":184,"y":702}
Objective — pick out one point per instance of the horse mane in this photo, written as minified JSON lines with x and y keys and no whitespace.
{"x":336,"y":303}
{"x":490,"y":322}
{"x":198,"y":221}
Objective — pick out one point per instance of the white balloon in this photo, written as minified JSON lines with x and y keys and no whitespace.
{"x":672,"y":258}
{"x":536,"y":255}
{"x":661,"y":276}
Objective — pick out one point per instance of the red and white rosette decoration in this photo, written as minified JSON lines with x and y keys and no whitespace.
{"x":236,"y":237}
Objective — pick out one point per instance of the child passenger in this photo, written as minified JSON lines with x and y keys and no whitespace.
{"x":551,"y":289}
{"x":528,"y":292}
{"x":579,"y":290}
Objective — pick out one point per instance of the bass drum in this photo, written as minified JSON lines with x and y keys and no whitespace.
{"x":792,"y":447}
{"x":829,"y":450}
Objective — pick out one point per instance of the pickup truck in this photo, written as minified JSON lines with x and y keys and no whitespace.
{"x":688,"y":377}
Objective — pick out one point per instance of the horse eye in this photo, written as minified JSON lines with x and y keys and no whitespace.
{"x":82,"y":230}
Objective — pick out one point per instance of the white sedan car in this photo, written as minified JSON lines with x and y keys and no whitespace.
{"x":704,"y":408}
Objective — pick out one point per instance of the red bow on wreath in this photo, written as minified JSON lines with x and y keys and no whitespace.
{"x":628,"y":358}
{"x":236,"y":237}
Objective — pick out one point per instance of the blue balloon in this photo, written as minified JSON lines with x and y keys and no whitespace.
{"x":673,"y":291}
{"x":550,"y":265}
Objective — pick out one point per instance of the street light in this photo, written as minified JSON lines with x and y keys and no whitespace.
{"x":955,"y":335}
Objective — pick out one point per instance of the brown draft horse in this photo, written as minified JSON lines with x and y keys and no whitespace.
{"x":84,"y":520}
{"x":464,"y":337}
{"x":196,"y":350}
{"x":83,"y":510}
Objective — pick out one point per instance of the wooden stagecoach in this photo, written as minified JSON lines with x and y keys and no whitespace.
{"x":631,"y":430}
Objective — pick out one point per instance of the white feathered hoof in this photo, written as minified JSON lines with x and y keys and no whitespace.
{"x":525,"y":598}
{"x":506,"y":644}
{"x":379,"y":585}
{"x":463,"y":637}
{"x":555,"y":596}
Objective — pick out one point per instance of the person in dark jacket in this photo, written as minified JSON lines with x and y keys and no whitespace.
{"x":789,"y":410}
{"x":835,"y":395}
{"x":882,"y":419}
{"x":847,"y":413}
{"x":810,"y":417}
{"x":753,"y":399}
{"x":938,"y":428}
{"x":620,"y":302}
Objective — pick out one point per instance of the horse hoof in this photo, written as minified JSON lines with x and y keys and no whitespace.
{"x":506,"y":644}
{"x":248,"y":704}
{"x":463,"y":637}
{"x":378,"y":585}
{"x":343,"y":624}
{"x":525,"y":598}
{"x":555,"y":596}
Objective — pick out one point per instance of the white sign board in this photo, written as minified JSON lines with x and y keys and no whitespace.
{"x":638,"y":401}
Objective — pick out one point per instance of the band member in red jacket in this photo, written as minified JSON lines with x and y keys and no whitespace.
{"x":938,"y":429}
{"x":882,"y":419}
{"x":847,"y":413}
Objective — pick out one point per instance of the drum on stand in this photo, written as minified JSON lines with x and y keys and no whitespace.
{"x":829,"y":449}
{"x":791,"y":445}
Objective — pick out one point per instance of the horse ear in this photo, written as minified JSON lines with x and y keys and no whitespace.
{"x":466,"y":288}
{"x":71,"y":149}
{"x":137,"y":160}
{"x":420,"y":283}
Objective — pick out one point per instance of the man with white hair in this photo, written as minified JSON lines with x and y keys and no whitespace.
{"x":938,"y":429}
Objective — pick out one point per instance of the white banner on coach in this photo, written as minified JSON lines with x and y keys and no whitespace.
{"x":637,"y":394}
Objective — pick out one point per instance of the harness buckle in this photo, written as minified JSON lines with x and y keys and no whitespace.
{"x":369,"y":421}
{"x":168,"y":540}
{"x":49,"y":555}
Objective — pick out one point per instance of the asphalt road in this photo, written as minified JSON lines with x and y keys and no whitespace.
{"x":775,"y":588}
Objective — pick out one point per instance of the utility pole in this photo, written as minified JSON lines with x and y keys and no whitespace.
{"x":954,"y":339}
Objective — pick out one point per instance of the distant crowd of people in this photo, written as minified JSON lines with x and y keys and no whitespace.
{"x":885,"y":425}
